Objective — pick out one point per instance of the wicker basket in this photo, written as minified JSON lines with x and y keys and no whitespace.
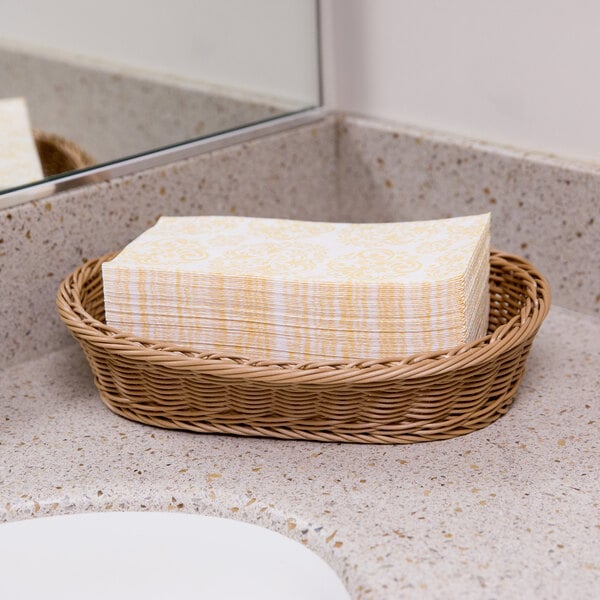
{"x":59,"y":155}
{"x":423,"y":397}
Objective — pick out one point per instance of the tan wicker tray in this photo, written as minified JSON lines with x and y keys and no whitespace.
{"x":424,"y":397}
{"x":60,"y":155}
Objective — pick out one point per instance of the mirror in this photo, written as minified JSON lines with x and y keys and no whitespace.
{"x":104,"y":82}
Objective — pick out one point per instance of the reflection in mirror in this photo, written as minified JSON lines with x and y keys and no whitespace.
{"x":100,"y":82}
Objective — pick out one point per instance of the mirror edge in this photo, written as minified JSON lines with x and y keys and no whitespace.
{"x":157,"y":158}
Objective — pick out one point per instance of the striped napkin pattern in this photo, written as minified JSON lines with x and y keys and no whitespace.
{"x":296,"y":290}
{"x":19,"y":160}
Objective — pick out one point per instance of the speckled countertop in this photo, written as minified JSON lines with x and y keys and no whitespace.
{"x":511,"y":511}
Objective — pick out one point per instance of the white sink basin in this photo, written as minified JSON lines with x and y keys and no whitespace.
{"x":162,"y":556}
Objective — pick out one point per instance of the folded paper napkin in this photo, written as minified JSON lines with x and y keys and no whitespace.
{"x":294,"y":290}
{"x":19,"y":160}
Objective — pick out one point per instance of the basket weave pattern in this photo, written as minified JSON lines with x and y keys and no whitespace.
{"x":60,"y":155}
{"x":397,"y":400}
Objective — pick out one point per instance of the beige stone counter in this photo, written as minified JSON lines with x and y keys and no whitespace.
{"x":511,"y":511}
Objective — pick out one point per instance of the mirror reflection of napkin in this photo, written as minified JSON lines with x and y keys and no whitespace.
{"x":295,"y":290}
{"x":19,"y":160}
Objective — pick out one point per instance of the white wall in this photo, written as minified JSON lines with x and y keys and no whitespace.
{"x":266,"y":46}
{"x":524,"y":73}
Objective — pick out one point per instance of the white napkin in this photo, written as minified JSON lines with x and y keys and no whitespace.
{"x":294,"y":290}
{"x":19,"y":160}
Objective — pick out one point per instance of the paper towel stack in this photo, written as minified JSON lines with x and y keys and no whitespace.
{"x":19,"y":160}
{"x":294,"y":290}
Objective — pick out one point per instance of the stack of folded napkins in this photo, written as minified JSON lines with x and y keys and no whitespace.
{"x":294,"y":290}
{"x":19,"y":160}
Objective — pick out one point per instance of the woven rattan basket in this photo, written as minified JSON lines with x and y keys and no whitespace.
{"x":59,"y":155}
{"x":423,"y":397}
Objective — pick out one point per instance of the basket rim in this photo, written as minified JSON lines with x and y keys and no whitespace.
{"x":69,"y":148}
{"x":517,"y":330}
